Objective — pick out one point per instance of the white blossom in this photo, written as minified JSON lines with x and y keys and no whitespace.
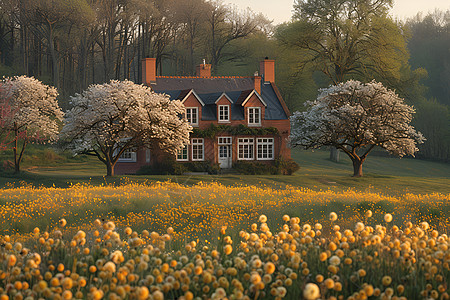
{"x":354,"y":116}
{"x":33,"y":107}
{"x":109,"y":118}
{"x":29,"y":112}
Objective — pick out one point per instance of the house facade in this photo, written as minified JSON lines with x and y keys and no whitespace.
{"x":234,"y":118}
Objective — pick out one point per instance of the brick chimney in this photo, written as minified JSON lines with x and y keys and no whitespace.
{"x":203,"y":70}
{"x":257,"y":80}
{"x":148,"y":70}
{"x":267,"y":69}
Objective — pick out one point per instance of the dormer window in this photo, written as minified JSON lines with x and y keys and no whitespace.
{"x":254,"y":116}
{"x":224,"y":113}
{"x":192,"y":115}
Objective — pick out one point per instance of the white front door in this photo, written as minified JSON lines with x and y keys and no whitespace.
{"x":225,"y":156}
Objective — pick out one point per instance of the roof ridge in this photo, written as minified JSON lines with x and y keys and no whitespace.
{"x":211,"y":77}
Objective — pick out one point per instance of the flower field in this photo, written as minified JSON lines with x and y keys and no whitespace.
{"x":170,"y":241}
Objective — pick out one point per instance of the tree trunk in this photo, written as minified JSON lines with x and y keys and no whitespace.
{"x":357,"y":167}
{"x":16,"y":162}
{"x":334,"y":154}
{"x":109,"y":165}
{"x":54,"y":58}
{"x":18,"y":157}
{"x":109,"y":169}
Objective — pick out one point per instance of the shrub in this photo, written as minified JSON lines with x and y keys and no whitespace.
{"x":254,"y":168}
{"x":169,"y":166}
{"x":278,"y":167}
{"x":286,"y":166}
{"x":202,"y":166}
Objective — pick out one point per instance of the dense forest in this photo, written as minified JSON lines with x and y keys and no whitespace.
{"x":71,"y":44}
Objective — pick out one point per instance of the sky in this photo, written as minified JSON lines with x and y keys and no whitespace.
{"x":281,"y":10}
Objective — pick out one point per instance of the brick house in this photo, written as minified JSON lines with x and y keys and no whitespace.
{"x":234,"y":118}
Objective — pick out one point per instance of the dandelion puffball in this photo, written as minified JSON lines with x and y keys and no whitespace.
{"x":388,"y":218}
{"x":311,"y":291}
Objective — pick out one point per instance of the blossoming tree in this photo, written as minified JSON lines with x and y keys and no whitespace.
{"x":355,"y":117}
{"x":5,"y":117}
{"x":109,"y":118}
{"x":30,"y":113}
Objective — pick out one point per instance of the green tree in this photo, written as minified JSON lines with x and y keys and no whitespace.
{"x":429,"y":47}
{"x":433,"y":120}
{"x":226,"y":25}
{"x":346,"y":38}
{"x":48,"y":19}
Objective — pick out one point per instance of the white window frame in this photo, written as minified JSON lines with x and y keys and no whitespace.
{"x":195,"y":151}
{"x":265,"y":144}
{"x":224,"y":111}
{"x":224,"y":140}
{"x":180,"y":154}
{"x":246,"y":143}
{"x":190,"y":114}
{"x":129,"y":155}
{"x":253,"y":112}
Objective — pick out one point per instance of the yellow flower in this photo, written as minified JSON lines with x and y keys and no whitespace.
{"x":311,"y":291}
{"x":228,"y":249}
{"x":386,"y":280}
{"x":142,"y":293}
{"x":323,"y":256}
{"x":329,"y":283}
{"x":269,"y":268}
{"x":359,"y":226}
{"x":11,"y":260}
{"x":333,"y":216}
{"x":62,"y":222}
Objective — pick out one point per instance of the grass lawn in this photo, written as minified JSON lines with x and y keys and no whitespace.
{"x":381,"y":174}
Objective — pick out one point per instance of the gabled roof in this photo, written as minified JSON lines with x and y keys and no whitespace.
{"x":186,"y":93}
{"x":223,"y":95}
{"x":237,"y":89}
{"x":253,"y":92}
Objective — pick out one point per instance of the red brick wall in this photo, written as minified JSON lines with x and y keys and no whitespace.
{"x":192,"y":101}
{"x":125,"y":167}
{"x":210,"y":145}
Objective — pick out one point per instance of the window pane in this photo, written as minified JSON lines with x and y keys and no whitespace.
{"x":245,"y":149}
{"x":192,"y":115}
{"x":254,"y":115}
{"x":197,"y":149}
{"x":265,"y":148}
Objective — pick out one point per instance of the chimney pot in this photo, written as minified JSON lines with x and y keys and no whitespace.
{"x":148,"y":70}
{"x":267,"y":70}
{"x":203,"y":70}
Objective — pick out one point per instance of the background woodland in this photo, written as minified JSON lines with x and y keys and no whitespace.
{"x":71,"y":44}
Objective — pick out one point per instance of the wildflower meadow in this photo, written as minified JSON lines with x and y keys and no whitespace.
{"x":164,"y":240}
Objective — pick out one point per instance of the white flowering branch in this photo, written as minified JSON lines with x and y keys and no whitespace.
{"x":32,"y":115}
{"x":356,"y":117}
{"x":107,"y":119}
